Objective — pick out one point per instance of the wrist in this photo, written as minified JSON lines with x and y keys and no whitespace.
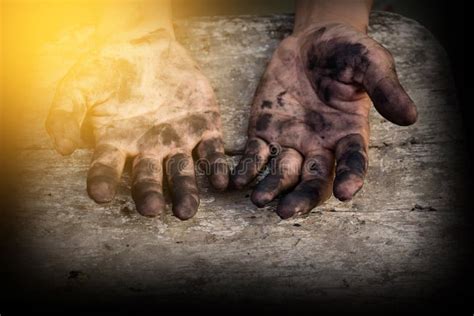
{"x":310,"y":13}
{"x":135,"y":19}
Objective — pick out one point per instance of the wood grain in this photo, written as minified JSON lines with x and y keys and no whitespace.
{"x":394,"y":242}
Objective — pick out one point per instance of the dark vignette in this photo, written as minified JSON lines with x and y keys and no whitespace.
{"x":18,"y":294}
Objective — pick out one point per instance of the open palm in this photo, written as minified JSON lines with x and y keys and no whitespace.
{"x":311,"y":110}
{"x":148,"y":100}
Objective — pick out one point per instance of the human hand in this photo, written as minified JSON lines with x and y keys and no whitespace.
{"x":145,"y":99}
{"x":312,"y":109}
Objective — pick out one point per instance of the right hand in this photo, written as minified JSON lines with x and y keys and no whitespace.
{"x":146,"y":99}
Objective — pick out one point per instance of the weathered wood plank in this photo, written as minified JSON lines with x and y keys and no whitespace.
{"x":244,"y":253}
{"x":379,"y":248}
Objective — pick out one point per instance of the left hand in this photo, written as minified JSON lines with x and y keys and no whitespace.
{"x":312,"y":110}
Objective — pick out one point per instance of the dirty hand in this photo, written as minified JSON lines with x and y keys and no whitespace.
{"x":311,"y":111}
{"x":145,"y":99}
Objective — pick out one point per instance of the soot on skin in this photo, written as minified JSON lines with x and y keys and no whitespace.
{"x":197,"y":123}
{"x":141,"y":193}
{"x":355,"y":161}
{"x":263,"y":121}
{"x":336,"y":58}
{"x":174,"y":164}
{"x":102,"y":173}
{"x":253,"y":146}
{"x":344,"y":55}
{"x":316,"y":168}
{"x":266,"y":104}
{"x":306,"y":196}
{"x":316,"y":122}
{"x":103,"y":150}
{"x":312,"y":59}
{"x":326,"y":94}
{"x":267,"y":186}
{"x":168,"y":134}
{"x":342,"y":176}
{"x":313,"y":166}
{"x":309,"y":189}
{"x":378,"y":96}
{"x":354,"y":147}
{"x":280,"y":98}
{"x":210,"y":146}
{"x":175,"y":167}
{"x":163,"y":134}
{"x":142,"y":188}
{"x":271,"y":183}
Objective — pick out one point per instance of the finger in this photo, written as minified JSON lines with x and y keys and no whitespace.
{"x":147,"y":191}
{"x":389,"y":98}
{"x":65,"y":117}
{"x":352,"y":162}
{"x":182,"y":181}
{"x":254,"y":159}
{"x":285,"y":171}
{"x":104,"y":173}
{"x":212,"y":151}
{"x":314,"y":188}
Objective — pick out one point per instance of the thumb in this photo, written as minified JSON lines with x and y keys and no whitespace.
{"x":65,"y":117}
{"x":64,"y":130}
{"x":382,"y":84}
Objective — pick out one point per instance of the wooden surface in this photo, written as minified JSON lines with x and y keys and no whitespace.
{"x":396,"y":241}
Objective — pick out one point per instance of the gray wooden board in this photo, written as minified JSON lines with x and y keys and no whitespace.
{"x":394,"y":241}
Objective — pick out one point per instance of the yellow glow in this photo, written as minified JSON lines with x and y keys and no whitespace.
{"x":29,"y":26}
{"x":26,"y":28}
